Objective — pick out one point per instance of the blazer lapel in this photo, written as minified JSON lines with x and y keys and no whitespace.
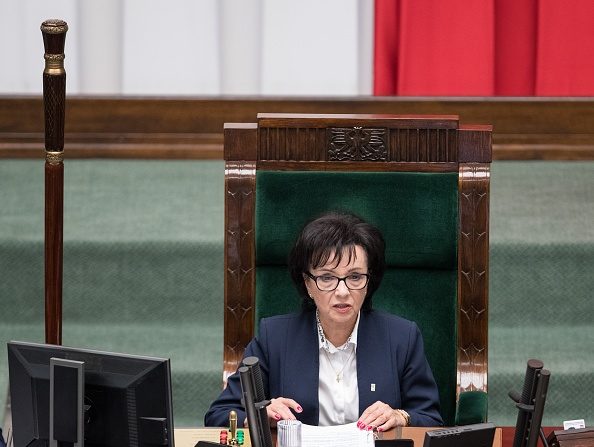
{"x":302,"y":367}
{"x":369,"y":362}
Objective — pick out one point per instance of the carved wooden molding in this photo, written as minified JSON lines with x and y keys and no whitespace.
{"x":240,"y":183}
{"x":424,"y":145}
{"x":293,"y":144}
{"x":473,"y":253}
{"x":357,"y":144}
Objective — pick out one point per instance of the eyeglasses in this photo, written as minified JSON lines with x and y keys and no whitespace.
{"x":327,"y":283}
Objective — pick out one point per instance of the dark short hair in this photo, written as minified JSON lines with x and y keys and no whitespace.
{"x":338,"y":233}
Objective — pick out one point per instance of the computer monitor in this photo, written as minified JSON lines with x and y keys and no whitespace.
{"x":475,"y":435}
{"x":530,"y":405}
{"x":123,"y":400}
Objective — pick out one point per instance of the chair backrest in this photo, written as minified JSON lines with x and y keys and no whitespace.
{"x":422,"y":180}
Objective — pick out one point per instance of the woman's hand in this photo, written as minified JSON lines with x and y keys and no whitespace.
{"x":382,"y":417}
{"x":280,"y":408}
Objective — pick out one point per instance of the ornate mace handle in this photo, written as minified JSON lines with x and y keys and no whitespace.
{"x":54,"y":104}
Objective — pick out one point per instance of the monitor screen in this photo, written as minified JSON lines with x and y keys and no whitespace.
{"x":126,"y":398}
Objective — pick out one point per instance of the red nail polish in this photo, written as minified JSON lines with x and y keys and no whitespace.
{"x":380,"y":429}
{"x":277,"y":417}
{"x":299,"y":409}
{"x":360,"y":424}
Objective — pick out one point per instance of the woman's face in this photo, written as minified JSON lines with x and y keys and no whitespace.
{"x":341,"y":305}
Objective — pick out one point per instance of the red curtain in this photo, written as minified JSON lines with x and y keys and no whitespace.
{"x":484,"y":47}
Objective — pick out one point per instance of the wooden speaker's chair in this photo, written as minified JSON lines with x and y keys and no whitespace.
{"x":423,"y":180}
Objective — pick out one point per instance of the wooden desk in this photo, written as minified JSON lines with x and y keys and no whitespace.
{"x":508,"y":433}
{"x":188,"y":437}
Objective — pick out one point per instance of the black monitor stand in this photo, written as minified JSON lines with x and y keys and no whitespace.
{"x":67,"y":387}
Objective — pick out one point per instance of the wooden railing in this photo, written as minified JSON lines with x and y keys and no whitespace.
{"x":192,"y":128}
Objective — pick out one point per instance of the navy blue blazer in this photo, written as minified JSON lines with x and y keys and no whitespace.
{"x":390,"y":354}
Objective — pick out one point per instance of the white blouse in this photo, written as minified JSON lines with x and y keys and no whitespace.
{"x":338,"y":392}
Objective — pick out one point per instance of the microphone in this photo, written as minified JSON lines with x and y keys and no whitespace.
{"x":253,"y":363}
{"x":255,"y":402}
{"x":233,"y":427}
{"x":528,"y":421}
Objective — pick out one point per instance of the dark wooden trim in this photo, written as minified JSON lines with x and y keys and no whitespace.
{"x":356,"y":166}
{"x":475,"y":143}
{"x":376,"y":120}
{"x":342,"y":138}
{"x":240,"y":184}
{"x":579,"y":152}
{"x":241,"y":141}
{"x":192,"y":128}
{"x":473,"y":279}
{"x":509,"y":116}
{"x":125,"y":145}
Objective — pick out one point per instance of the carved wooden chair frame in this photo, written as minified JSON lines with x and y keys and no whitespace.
{"x":361,"y":143}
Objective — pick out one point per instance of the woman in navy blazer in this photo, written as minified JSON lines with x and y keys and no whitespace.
{"x":338,"y":360}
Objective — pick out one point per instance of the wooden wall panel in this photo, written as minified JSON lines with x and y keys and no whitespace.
{"x":169,"y":127}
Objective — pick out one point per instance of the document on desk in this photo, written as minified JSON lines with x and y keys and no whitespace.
{"x":348,"y":435}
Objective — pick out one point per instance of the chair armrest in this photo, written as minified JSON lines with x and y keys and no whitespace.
{"x":471,"y":408}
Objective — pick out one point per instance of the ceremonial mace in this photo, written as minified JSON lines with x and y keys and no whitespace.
{"x":54,"y":104}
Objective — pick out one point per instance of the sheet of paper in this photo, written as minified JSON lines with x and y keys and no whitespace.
{"x":348,"y":435}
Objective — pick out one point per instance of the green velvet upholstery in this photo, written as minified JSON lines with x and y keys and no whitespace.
{"x":418,"y":210}
{"x":472,"y":406}
{"x":418,"y":215}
